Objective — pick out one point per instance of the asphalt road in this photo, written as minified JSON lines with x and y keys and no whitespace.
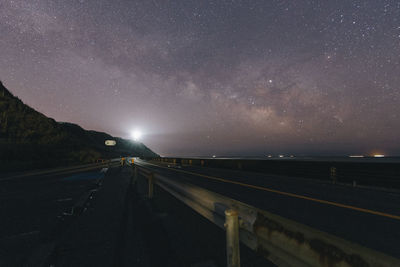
{"x":367,"y":216}
{"x":53,"y":219}
{"x":36,"y":207}
{"x":42,"y":218}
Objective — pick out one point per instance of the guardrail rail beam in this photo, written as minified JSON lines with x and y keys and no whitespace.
{"x":282,"y":241}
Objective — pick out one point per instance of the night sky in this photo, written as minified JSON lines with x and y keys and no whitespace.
{"x":212,"y":77}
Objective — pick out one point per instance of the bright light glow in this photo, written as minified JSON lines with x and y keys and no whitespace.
{"x":356,"y":156}
{"x":281,"y":156}
{"x":379,"y":156}
{"x":136,"y":135}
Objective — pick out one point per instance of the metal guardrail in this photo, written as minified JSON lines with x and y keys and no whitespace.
{"x":372,"y":172}
{"x":282,"y":241}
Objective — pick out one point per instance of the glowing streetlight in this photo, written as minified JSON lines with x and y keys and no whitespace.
{"x":136,"y":135}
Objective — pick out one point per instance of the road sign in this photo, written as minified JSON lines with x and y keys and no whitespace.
{"x":110,"y":142}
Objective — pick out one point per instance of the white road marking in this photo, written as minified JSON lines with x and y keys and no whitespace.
{"x":64,"y":199}
{"x":21,"y":235}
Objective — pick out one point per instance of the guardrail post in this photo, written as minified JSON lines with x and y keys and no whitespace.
{"x":151,"y":185}
{"x":333,"y":175}
{"x":232,"y":238}
{"x":239,"y":165}
{"x":135,"y":174}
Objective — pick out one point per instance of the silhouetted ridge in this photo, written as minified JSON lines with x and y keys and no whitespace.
{"x":29,"y":136}
{"x":4,"y":91}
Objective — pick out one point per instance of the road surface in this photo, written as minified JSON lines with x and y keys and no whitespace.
{"x":35,"y":207}
{"x":115,"y":226}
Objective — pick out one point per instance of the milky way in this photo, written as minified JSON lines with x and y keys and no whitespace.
{"x":212,"y":77}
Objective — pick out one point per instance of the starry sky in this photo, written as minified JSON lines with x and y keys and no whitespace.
{"x":198,"y":78}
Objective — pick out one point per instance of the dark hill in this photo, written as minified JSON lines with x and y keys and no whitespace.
{"x":29,"y":139}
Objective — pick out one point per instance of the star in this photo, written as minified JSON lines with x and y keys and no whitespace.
{"x":297,"y":70}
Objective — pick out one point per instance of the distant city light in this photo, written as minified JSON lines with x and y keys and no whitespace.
{"x":281,"y":156}
{"x":214,"y":156}
{"x":269,"y":156}
{"x":379,"y":156}
{"x":356,"y":156}
{"x":136,"y":135}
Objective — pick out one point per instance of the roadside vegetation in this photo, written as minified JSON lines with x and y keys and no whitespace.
{"x":29,"y":139}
